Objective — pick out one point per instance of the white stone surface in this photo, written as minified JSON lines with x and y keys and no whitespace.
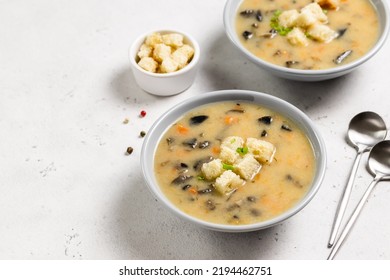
{"x":68,"y":191}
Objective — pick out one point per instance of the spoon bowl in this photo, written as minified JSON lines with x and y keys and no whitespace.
{"x":379,"y":160}
{"x":366,"y":129}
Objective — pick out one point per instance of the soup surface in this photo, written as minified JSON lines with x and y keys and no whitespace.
{"x":195,"y":140}
{"x":346,"y":31}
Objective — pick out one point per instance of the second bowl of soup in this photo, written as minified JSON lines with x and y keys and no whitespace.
{"x":307,"y":40}
{"x":234,"y":160}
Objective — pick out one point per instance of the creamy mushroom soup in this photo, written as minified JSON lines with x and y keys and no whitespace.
{"x":234,"y":163}
{"x":306,"y":34}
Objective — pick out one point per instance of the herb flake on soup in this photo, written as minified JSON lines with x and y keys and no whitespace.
{"x":307,"y":34}
{"x":234,"y":163}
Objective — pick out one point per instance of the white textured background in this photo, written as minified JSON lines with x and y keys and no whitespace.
{"x":67,"y":189}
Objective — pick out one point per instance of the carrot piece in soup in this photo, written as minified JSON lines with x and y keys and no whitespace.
{"x":230,"y":120}
{"x":182,"y":129}
{"x":216,"y":150}
{"x":192,"y":190}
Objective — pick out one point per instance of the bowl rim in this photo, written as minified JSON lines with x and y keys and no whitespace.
{"x":230,"y":32}
{"x":151,"y":140}
{"x":134,"y":47}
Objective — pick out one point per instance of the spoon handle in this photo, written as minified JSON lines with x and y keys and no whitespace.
{"x":353,"y":218}
{"x":344,"y":200}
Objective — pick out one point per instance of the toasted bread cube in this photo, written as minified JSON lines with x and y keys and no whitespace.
{"x":228,"y":155}
{"x":174,"y":40}
{"x":144,"y":51}
{"x":288,"y":18}
{"x":322,"y":33}
{"x":316,"y":11}
{"x":187,"y":50}
{"x":161,"y":52}
{"x":149,"y":64}
{"x":297,"y":37}
{"x":227,"y":182}
{"x":233,"y":142}
{"x":305,"y":19}
{"x":212,"y":169}
{"x":153,"y":39}
{"x":262,"y":151}
{"x":181,"y":58}
{"x":329,"y":4}
{"x":169,"y":65}
{"x":247,"y":167}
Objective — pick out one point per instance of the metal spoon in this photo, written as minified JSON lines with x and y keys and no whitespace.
{"x":379,"y":166}
{"x":365,"y":130}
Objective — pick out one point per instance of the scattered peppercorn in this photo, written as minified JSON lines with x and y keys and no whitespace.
{"x":143,"y":113}
{"x":142,"y":133}
{"x":129,"y":150}
{"x":125,"y":121}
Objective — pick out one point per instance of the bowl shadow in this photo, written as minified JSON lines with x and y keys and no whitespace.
{"x":124,"y":87}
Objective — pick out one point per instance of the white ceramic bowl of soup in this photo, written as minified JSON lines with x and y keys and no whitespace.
{"x":232,"y":10}
{"x":160,"y":127}
{"x":165,"y":84}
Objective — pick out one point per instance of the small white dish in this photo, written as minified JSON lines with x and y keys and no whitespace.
{"x":165,"y":84}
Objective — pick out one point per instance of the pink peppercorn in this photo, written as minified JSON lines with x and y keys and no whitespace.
{"x":143,"y":113}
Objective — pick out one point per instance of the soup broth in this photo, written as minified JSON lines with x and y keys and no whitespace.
{"x":353,"y":25}
{"x":195,"y":139}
